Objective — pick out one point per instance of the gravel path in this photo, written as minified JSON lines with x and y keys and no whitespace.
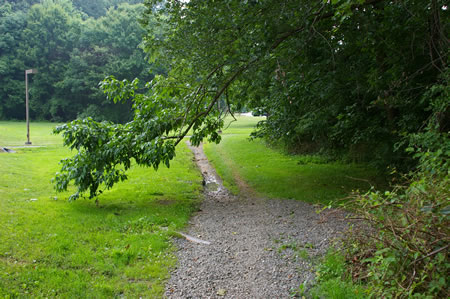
{"x":258,"y":248}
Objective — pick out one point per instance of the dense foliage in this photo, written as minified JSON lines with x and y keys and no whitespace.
{"x":400,"y":249}
{"x":349,"y":75}
{"x":409,"y":241}
{"x":355,"y":83}
{"x":346,"y":75}
{"x":73,"y":52}
{"x":402,"y":252}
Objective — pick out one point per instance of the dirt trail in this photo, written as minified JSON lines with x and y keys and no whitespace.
{"x":251,"y":247}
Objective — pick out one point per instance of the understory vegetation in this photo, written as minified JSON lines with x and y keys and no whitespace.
{"x":52,"y":248}
{"x":402,"y":249}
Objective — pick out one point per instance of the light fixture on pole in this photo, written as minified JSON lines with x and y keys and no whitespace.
{"x":31,"y":71}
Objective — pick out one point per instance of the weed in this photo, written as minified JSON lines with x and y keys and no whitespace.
{"x":299,"y":292}
{"x":303,"y":254}
{"x":299,"y":250}
{"x":332,"y":280}
{"x":291,"y":245}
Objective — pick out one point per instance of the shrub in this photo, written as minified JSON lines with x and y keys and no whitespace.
{"x":400,"y":249}
{"x":404,"y":253}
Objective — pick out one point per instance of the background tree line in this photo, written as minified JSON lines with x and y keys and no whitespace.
{"x":74,"y":45}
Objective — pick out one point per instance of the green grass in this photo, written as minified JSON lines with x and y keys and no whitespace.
{"x":275,"y":174}
{"x":333,"y":281}
{"x":50,"y":247}
{"x":278,"y":175}
{"x":15,"y":134}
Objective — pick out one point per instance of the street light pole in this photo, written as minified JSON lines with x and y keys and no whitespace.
{"x":31,"y":71}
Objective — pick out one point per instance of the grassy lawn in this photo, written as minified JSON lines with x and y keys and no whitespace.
{"x":51,"y":247}
{"x":278,"y":175}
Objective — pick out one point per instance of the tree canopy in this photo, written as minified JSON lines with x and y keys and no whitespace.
{"x":345,"y":74}
{"x":73,"y":52}
{"x":357,"y":76}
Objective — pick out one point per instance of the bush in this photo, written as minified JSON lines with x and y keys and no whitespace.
{"x":400,"y":249}
{"x":404,"y":253}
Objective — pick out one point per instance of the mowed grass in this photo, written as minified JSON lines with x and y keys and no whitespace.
{"x":15,"y":134}
{"x":278,"y":175}
{"x":50,"y":247}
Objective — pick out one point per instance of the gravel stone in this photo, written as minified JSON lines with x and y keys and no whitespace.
{"x":259,"y":248}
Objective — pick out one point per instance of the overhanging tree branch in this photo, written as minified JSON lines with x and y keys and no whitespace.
{"x":215,"y":99}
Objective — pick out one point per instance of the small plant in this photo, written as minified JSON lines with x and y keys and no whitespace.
{"x":338,"y":289}
{"x":291,"y":245}
{"x":332,"y":266}
{"x":303,"y":254}
{"x":332,"y":280}
{"x":299,"y":250}
{"x":298,"y":292}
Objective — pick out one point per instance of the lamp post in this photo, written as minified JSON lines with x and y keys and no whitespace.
{"x":30,"y":71}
